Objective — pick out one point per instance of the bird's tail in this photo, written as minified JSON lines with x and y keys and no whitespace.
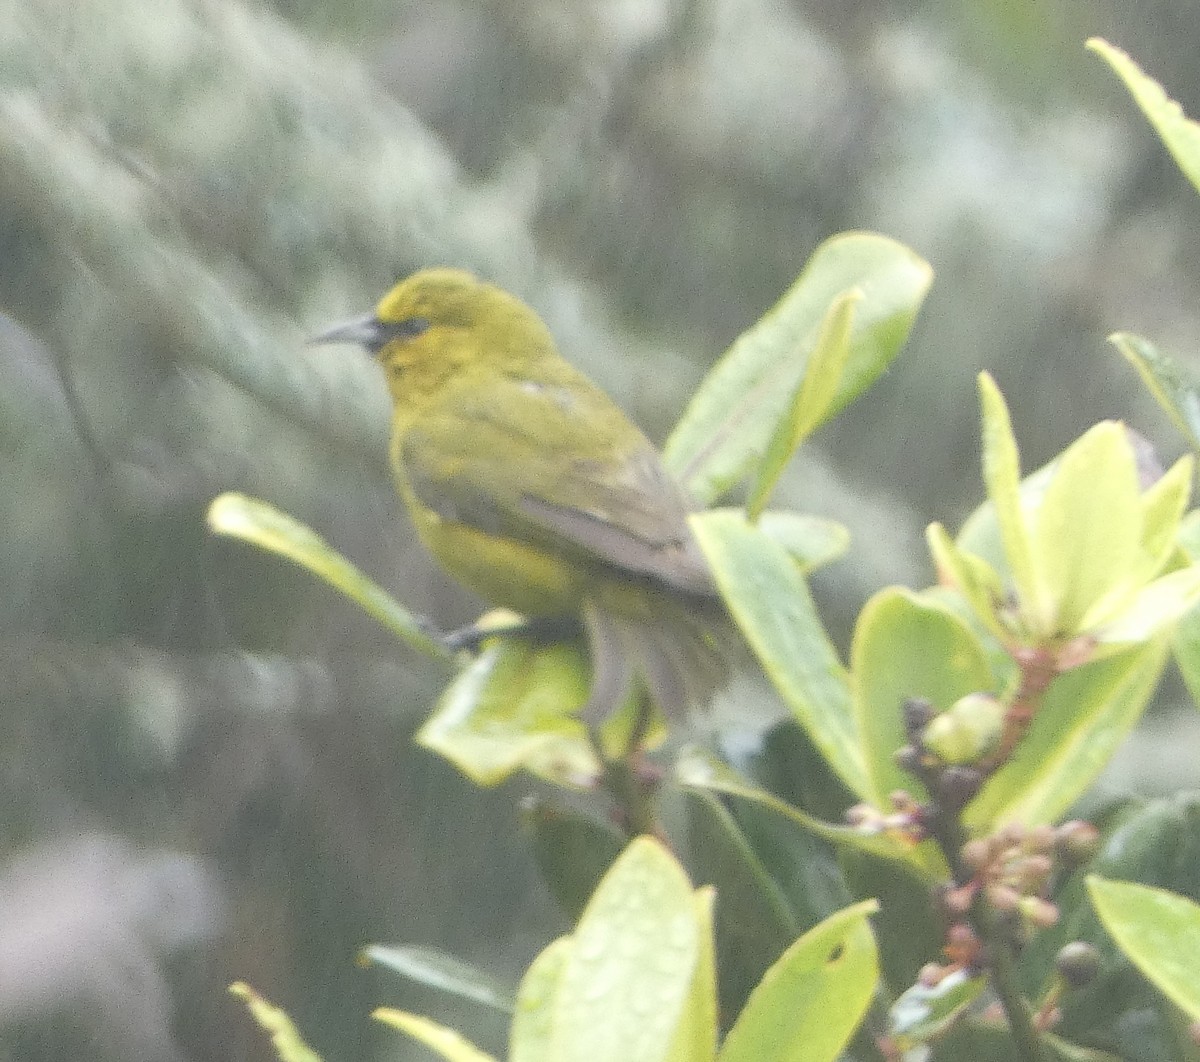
{"x":678,"y":650}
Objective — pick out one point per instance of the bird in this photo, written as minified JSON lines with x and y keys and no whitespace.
{"x":532,"y":488}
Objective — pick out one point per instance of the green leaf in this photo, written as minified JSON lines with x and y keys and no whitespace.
{"x":512,"y":708}
{"x":1180,"y":135}
{"x":1163,"y":505}
{"x":1166,"y":381}
{"x":632,"y":986}
{"x":908,"y":928}
{"x":1089,"y":531}
{"x":436,"y":969}
{"x":696,"y":1037}
{"x":1156,"y":843}
{"x":1159,"y":931}
{"x":754,"y":921}
{"x":813,"y":397}
{"x":981,"y":1040}
{"x":285,"y":1038}
{"x":262,"y":525}
{"x":1154,"y":608}
{"x":810,"y":541}
{"x":531,"y":1038}
{"x":770,"y":602}
{"x":450,"y":1044}
{"x":1186,"y":645}
{"x":904,"y":647}
{"x":922,"y":1012}
{"x":972,"y":576}
{"x":1099,"y":542}
{"x":1085,"y":715}
{"x":573,"y":851}
{"x":700,"y":769}
{"x":812,"y":999}
{"x":1002,"y":478}
{"x":1188,"y":535}
{"x":727,"y":426}
{"x":1186,"y":638}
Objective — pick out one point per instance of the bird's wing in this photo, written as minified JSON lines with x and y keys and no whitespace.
{"x":558,"y":467}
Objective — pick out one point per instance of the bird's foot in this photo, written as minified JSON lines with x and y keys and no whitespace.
{"x":537,"y":628}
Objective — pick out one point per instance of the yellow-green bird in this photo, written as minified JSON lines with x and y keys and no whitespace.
{"x":530,"y":486}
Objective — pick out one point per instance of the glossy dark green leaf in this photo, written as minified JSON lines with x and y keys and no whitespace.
{"x":1155,"y":842}
{"x":991,"y":1042}
{"x":700,"y":769}
{"x":573,"y":851}
{"x":754,"y":921}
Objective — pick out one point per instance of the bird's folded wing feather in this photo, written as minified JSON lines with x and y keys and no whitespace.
{"x":559,"y":467}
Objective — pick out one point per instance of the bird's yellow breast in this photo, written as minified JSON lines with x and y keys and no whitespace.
{"x":501,"y":570}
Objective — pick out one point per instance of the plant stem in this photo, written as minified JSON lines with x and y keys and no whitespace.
{"x":1003,"y":975}
{"x":625,"y":779}
{"x":632,"y":796}
{"x":946,"y":828}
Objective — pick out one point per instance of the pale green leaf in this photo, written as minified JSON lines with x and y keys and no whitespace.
{"x":1160,"y":933}
{"x":1163,"y":505}
{"x":1089,"y":529}
{"x":285,"y":1038}
{"x":1186,"y":645}
{"x":813,"y":397}
{"x":972,"y":576}
{"x":513,"y":708}
{"x":1154,"y":608}
{"x":728,"y":424}
{"x":923,"y":1012}
{"x":1188,"y":535}
{"x":447,"y":973}
{"x":768,"y":598}
{"x":1002,"y":479}
{"x":531,"y":1038}
{"x":626,"y":990}
{"x":1179,"y":134}
{"x":254,"y":521}
{"x":447,"y":1043}
{"x":906,"y":647}
{"x":811,"y":541}
{"x":811,"y":1000}
{"x":1166,"y":381}
{"x":696,"y":1034}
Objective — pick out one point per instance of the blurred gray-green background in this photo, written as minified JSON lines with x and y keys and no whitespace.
{"x":207,"y":765}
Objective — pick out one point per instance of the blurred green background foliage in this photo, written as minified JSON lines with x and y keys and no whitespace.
{"x":207,"y":772}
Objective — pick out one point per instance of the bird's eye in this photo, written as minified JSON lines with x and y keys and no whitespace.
{"x":409,"y":328}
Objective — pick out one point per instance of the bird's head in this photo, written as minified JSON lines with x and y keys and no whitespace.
{"x":438,"y":322}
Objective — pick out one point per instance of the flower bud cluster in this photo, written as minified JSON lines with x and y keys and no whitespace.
{"x":1013,"y":869}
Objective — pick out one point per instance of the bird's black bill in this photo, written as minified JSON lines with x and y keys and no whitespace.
{"x":372,"y":333}
{"x":366,"y":332}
